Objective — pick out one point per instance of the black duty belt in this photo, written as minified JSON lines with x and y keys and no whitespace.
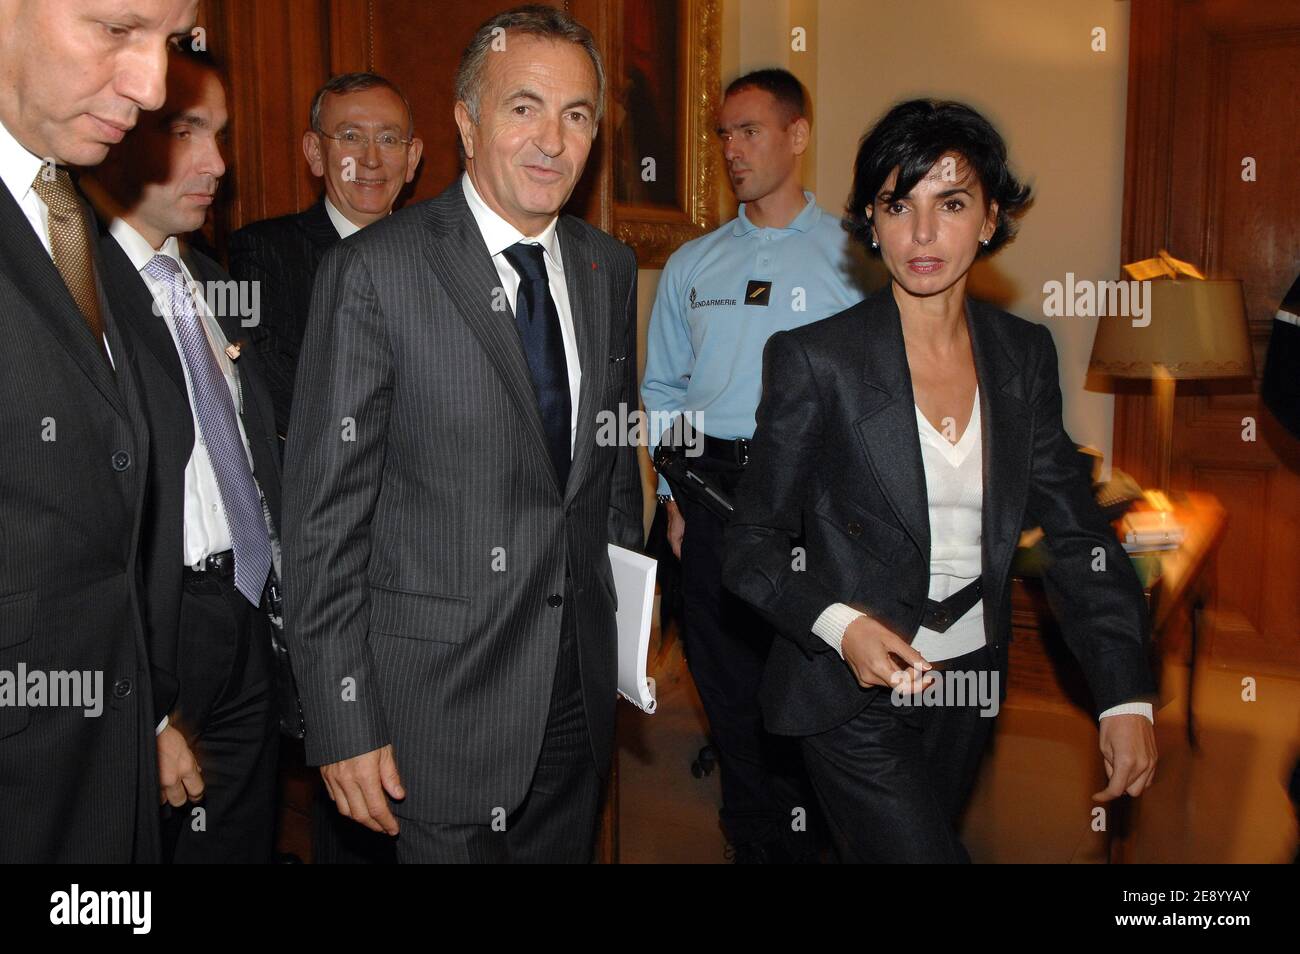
{"x":732,"y":451}
{"x":940,"y":615}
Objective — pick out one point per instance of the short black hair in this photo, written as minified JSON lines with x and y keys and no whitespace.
{"x":782,"y":84}
{"x":911,"y":138}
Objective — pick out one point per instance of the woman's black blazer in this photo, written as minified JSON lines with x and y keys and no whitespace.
{"x":832,"y":508}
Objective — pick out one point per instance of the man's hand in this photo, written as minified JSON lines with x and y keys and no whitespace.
{"x":179,"y":777}
{"x":676,"y":528}
{"x":1128,"y":748}
{"x":869,"y":648}
{"x":357,"y":786}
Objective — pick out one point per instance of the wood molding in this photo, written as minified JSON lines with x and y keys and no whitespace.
{"x":656,"y":232}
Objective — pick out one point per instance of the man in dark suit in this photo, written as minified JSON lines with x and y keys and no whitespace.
{"x":362,"y":144}
{"x":449,"y":597}
{"x":77,"y":778}
{"x":214,"y":488}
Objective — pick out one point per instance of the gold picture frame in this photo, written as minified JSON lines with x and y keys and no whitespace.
{"x":681,"y":203}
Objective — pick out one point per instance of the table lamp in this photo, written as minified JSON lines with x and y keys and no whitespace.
{"x":1196,"y":330}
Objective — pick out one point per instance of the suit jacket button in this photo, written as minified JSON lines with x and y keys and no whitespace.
{"x":121,"y":461}
{"x":121,"y":688}
{"x":855,"y":529}
{"x":555,"y":599}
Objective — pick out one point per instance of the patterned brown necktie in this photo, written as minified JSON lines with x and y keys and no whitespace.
{"x":69,"y":241}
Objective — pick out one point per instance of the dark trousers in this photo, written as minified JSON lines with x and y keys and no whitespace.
{"x":893,"y":779}
{"x":556,"y":823}
{"x":726,"y":645}
{"x":226,"y":709}
{"x":338,"y":840}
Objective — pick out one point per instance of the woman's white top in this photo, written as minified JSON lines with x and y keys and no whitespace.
{"x":954,"y":486}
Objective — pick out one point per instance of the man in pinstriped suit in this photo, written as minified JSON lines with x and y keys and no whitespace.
{"x":78,"y":783}
{"x":450,"y":603}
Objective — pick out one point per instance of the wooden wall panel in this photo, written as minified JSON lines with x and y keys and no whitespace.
{"x":275,"y":55}
{"x":1210,"y":83}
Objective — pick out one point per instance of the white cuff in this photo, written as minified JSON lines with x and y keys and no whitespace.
{"x":1130,"y":708}
{"x":161,"y":725}
{"x":832,"y":623}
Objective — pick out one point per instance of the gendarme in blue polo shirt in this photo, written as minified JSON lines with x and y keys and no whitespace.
{"x":721,"y":296}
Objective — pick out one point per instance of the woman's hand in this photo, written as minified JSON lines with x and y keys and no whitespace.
{"x":1128,"y":749}
{"x":873,"y":651}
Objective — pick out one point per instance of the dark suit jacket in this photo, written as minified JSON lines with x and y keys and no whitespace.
{"x":836,"y":467}
{"x":283,"y":254}
{"x":415,"y":465}
{"x":72,"y":480}
{"x":171,"y":429}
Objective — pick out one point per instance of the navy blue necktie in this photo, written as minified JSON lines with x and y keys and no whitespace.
{"x":538,"y":322}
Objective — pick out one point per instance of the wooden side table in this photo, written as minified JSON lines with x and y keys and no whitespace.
{"x":1044,"y":673}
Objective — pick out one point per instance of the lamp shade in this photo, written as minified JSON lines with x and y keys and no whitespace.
{"x":1196,"y":329}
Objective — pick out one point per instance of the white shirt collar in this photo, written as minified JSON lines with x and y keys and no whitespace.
{"x":499,"y":235}
{"x":137,"y":247}
{"x":18,"y":167}
{"x":342,"y":224}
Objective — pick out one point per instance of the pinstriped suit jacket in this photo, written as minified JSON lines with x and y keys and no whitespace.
{"x":73,"y":788}
{"x":425,"y":535}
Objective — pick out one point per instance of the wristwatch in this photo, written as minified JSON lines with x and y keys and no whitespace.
{"x":664,"y":498}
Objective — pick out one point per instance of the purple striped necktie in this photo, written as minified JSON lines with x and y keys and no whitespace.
{"x":215,"y":409}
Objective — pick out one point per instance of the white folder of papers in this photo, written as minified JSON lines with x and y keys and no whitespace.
{"x":634,"y":582}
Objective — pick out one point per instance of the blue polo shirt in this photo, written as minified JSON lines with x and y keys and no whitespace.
{"x":721,"y":296}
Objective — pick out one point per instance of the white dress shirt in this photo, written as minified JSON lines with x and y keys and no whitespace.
{"x":206,"y":529}
{"x":499,"y":235}
{"x":18,"y":169}
{"x":342,"y":224}
{"x":954,"y":486}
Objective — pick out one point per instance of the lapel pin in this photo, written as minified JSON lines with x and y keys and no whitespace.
{"x":593,"y":266}
{"x":232,"y":351}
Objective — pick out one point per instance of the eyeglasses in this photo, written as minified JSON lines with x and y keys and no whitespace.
{"x":352,"y":141}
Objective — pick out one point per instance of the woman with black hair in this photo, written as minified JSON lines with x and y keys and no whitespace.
{"x":901,"y":447}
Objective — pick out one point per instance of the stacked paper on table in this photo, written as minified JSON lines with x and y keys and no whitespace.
{"x":1152,"y":530}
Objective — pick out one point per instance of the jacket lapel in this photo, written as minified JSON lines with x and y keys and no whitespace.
{"x":136,"y":310}
{"x":460,"y":259}
{"x":315,"y":221}
{"x":588,"y":299}
{"x":887,"y":427}
{"x":40,"y":283}
{"x":1005,"y":438}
